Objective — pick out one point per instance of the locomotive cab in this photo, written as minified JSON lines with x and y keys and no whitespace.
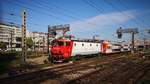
{"x":61,"y":49}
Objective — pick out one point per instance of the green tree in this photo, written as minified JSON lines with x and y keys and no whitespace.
{"x":29,"y":43}
{"x":3,"y":45}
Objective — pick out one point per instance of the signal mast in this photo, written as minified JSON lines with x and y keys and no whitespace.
{"x":132,"y":31}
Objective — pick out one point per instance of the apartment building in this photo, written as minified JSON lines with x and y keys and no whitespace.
{"x":39,"y":40}
{"x":11,"y":35}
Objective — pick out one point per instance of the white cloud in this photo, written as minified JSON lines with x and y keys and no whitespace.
{"x":102,"y":20}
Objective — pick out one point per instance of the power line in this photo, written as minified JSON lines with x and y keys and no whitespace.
{"x":39,"y":5}
{"x":113,"y":6}
{"x":126,"y":7}
{"x":9,"y":22}
{"x":93,"y":6}
{"x":22,"y":5}
{"x":100,"y":10}
{"x":47,"y":8}
{"x":103,"y":13}
{"x":12,"y":14}
{"x":30,"y":23}
{"x":36,"y":11}
{"x":19,"y":16}
{"x":19,"y":25}
{"x":58,"y":12}
{"x":62,"y":9}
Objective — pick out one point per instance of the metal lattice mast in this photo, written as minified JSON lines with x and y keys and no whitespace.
{"x":24,"y":53}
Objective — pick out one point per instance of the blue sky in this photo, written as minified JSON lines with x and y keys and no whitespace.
{"x":86,"y":17}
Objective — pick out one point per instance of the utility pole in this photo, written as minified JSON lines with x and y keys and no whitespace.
{"x":11,"y":35}
{"x":24,"y":52}
{"x":11,"y":39}
{"x":133,"y":31}
{"x":95,"y":37}
{"x":43,"y":44}
{"x":144,"y":41}
{"x":38,"y":45}
{"x":132,"y":44}
{"x":48,"y":44}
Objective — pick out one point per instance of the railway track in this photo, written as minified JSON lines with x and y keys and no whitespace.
{"x":57,"y":72}
{"x":83,"y":71}
{"x":70,"y":71}
{"x":100,"y":74}
{"x":123,"y":72}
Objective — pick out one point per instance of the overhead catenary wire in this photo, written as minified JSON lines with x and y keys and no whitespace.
{"x":34,"y":10}
{"x":8,"y":20}
{"x":58,"y":11}
{"x":30,"y":23}
{"x":62,"y":9}
{"x":116,"y":8}
{"x":126,"y":7}
{"x":31,"y":9}
{"x":99,"y":9}
{"x":48,"y":8}
{"x":18,"y":25}
{"x":8,"y":13}
{"x":139,"y":21}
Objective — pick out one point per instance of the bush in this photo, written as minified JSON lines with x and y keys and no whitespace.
{"x":8,"y":60}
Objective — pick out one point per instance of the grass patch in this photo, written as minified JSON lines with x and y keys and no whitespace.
{"x":8,"y":60}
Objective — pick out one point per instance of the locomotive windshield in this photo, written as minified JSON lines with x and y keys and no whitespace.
{"x":60,"y":43}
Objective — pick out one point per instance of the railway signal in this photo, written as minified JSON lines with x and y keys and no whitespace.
{"x":132,"y":31}
{"x":52,"y":33}
{"x":52,"y":30}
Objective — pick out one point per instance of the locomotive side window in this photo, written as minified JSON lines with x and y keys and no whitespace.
{"x":67,"y":43}
{"x":54,"y":43}
{"x":60,"y":43}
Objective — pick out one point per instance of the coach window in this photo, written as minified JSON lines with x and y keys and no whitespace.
{"x":109,"y":47}
{"x":82,"y":44}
